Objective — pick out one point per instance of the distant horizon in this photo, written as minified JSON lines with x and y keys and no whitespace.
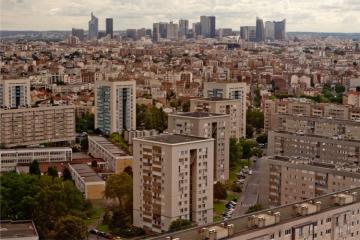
{"x":302,"y":16}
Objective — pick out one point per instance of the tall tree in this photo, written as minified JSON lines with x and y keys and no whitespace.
{"x":70,"y":227}
{"x":52,"y":171}
{"x":66,"y":174}
{"x":119,"y":186}
{"x":34,"y":168}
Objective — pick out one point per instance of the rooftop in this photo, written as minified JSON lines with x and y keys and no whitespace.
{"x":109,"y":146}
{"x":86,"y":172}
{"x":17,"y":229}
{"x":173,"y":138}
{"x":199,"y":114}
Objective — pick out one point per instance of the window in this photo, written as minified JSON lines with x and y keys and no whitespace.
{"x":287,"y":231}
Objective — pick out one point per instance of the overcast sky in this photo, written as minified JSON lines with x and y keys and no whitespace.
{"x":301,"y":15}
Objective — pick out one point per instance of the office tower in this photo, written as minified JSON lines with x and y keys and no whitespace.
{"x":183,"y":28}
{"x":293,"y":179}
{"x":29,"y":126}
{"x":131,"y":33}
{"x":93,"y":27}
{"x":207,"y":125}
{"x":140,"y":33}
{"x":156,"y":32}
{"x":329,"y":217}
{"x":269,"y":30}
{"x":196,"y":29}
{"x":224,"y":32}
{"x":109,"y":22}
{"x":280,"y":30}
{"x":260,"y":35}
{"x":15,"y":93}
{"x":248,"y":33}
{"x":148,"y":32}
{"x":115,"y":103}
{"x":233,"y":107}
{"x":79,"y":33}
{"x":173,"y":179}
{"x":208,"y":25}
{"x":172,"y":30}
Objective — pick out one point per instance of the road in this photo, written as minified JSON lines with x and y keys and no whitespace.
{"x":253,"y":186}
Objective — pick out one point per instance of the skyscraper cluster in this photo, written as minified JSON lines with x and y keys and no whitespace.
{"x":275,"y":30}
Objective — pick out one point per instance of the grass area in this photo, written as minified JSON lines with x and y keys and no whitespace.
{"x":231,"y":196}
{"x":95,"y":217}
{"x":219,"y":207}
{"x":217,"y":218}
{"x":103,"y":227}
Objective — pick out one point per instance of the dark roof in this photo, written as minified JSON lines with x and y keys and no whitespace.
{"x":173,"y":138}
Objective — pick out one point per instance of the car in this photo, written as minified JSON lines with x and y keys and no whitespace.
{"x":250,"y":172}
{"x":233,"y":202}
{"x":93,"y":231}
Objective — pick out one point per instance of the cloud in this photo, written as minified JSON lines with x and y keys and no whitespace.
{"x":304,"y":15}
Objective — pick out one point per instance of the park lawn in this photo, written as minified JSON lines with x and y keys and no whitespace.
{"x":95,"y":216}
{"x":217,"y":218}
{"x":219,"y":207}
{"x":231,"y":196}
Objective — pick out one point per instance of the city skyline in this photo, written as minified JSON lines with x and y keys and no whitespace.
{"x":333,"y":16}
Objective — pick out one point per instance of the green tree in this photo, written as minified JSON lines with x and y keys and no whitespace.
{"x":262,"y":138}
{"x":85,"y":123}
{"x":247,"y":146}
{"x":179,"y":224}
{"x":219,"y":191}
{"x":66,"y":174}
{"x":119,"y":187}
{"x":94,"y":164}
{"x":255,"y":118}
{"x":34,"y":168}
{"x":235,"y":152}
{"x":70,"y":227}
{"x":255,"y":208}
{"x":52,"y":171}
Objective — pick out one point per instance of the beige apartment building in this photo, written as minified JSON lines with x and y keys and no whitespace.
{"x":29,"y":126}
{"x":233,"y":107}
{"x":318,"y":148}
{"x":15,"y":92}
{"x":115,"y":103}
{"x":293,"y":179}
{"x":173,"y":179}
{"x":276,"y":111}
{"x":207,"y":125}
{"x":329,"y":217}
{"x":116,"y":159}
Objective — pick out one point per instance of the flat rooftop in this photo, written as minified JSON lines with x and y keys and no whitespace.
{"x":17,"y":229}
{"x":109,"y":146}
{"x":173,"y":138}
{"x":86,"y":172}
{"x":215,"y":99}
{"x":199,"y":114}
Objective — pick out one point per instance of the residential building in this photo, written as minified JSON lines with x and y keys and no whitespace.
{"x":10,"y":158}
{"x":131,"y":134}
{"x":318,"y":148}
{"x":331,"y":216}
{"x":109,"y":26}
{"x":173,"y":179}
{"x":15,"y":92}
{"x":79,"y":33}
{"x":115,"y":103}
{"x":87,"y":181}
{"x":293,"y":179}
{"x":116,"y":159}
{"x":352,"y":98}
{"x":93,"y":27}
{"x":29,"y":126}
{"x":18,"y":230}
{"x":233,"y":107}
{"x":207,"y":125}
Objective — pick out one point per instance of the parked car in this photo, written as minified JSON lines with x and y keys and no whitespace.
{"x":250,"y":172}
{"x":93,"y":231}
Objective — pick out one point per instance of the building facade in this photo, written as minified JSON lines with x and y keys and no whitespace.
{"x":207,"y":125}
{"x":30,"y":126}
{"x":15,"y":93}
{"x":109,"y":27}
{"x":173,"y":179}
{"x":208,"y":26}
{"x":115,"y":103}
{"x":10,"y":158}
{"x":233,"y":107}
{"x":93,"y":28}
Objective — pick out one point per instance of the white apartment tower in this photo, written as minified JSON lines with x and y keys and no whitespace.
{"x":115,"y":103}
{"x":15,"y":93}
{"x":173,"y":179}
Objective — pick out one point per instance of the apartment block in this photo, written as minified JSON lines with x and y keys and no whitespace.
{"x":87,"y":181}
{"x":29,"y":126}
{"x":116,"y":159}
{"x":207,"y":125}
{"x":14,"y":92}
{"x":323,"y":149}
{"x":115,"y":103}
{"x":331,"y":216}
{"x":277,"y":111}
{"x":293,"y":179}
{"x":230,"y":90}
{"x":173,"y":179}
{"x":10,"y":158}
{"x":233,"y":107}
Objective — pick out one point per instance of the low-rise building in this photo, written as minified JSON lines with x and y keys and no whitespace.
{"x":117,"y":160}
{"x":18,"y":230}
{"x":87,"y":181}
{"x":10,"y":158}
